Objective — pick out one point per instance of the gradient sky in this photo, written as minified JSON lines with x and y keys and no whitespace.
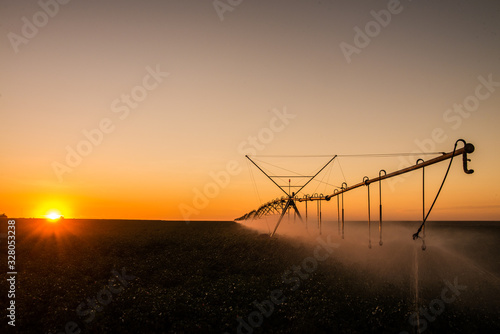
{"x":225,"y":79}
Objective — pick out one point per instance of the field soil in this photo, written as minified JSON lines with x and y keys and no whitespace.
{"x":122,"y":276}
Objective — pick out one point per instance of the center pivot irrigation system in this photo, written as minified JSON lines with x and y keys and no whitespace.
{"x":286,"y":203}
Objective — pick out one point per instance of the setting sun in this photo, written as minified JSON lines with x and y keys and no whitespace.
{"x":53,"y":215}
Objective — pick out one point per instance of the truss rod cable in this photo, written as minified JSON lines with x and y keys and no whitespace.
{"x":324,"y":182}
{"x":315,"y":171}
{"x":274,"y":176}
{"x":254,"y":183}
{"x":327,"y":184}
{"x":342,"y":171}
{"x":328,"y":177}
{"x":329,"y":161}
{"x":267,"y":163}
{"x":468,"y":148}
{"x":388,"y":155}
{"x":376,"y":155}
{"x":287,"y":176}
{"x":267,"y":175}
{"x":322,"y":178}
{"x":293,"y":156}
{"x":257,"y":191}
{"x":298,"y":175}
{"x":416,"y":235}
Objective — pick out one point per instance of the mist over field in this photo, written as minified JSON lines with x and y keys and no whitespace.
{"x":103,"y":276}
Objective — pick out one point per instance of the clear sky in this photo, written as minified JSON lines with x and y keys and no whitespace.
{"x":124,"y":109}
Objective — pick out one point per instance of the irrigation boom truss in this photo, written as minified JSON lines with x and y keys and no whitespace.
{"x":283,"y":204}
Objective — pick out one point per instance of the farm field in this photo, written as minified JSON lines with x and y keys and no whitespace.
{"x":123,"y":276}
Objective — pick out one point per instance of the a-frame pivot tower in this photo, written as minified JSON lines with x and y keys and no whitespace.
{"x":290,"y":203}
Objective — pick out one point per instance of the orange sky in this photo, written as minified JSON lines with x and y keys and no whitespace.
{"x":156,"y":97}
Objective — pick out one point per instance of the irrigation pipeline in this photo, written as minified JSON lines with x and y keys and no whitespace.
{"x":281,"y":205}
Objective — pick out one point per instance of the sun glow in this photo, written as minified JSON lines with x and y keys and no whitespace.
{"x":53,"y":216}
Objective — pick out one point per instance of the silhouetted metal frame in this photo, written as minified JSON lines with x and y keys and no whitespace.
{"x":467,"y":149}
